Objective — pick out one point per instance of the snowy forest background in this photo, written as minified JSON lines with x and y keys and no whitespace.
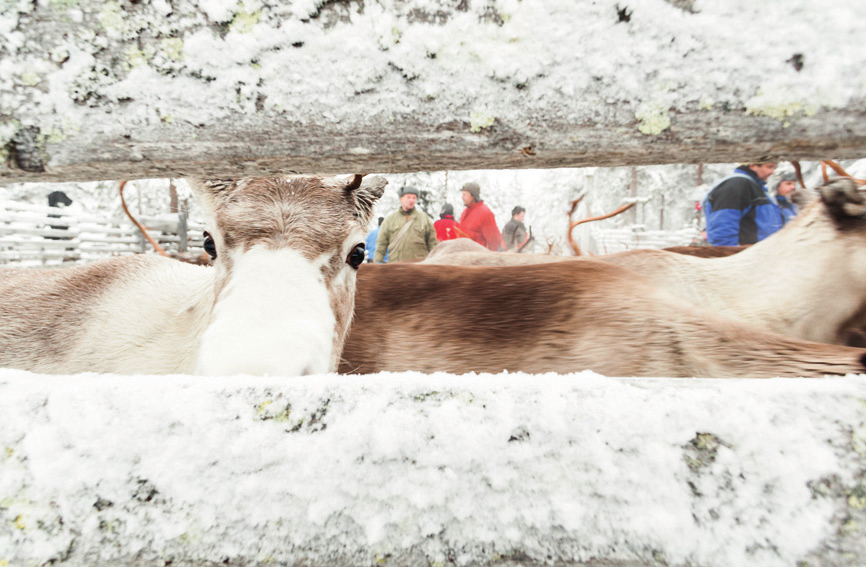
{"x":665,"y":195}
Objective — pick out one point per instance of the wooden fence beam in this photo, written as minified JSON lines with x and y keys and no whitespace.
{"x":121,"y":90}
{"x":431,"y":470}
{"x":33,"y":232}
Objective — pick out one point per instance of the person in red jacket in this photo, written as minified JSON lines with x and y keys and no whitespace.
{"x":477,"y":220}
{"x":446,"y":227}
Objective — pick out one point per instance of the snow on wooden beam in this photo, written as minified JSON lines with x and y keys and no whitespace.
{"x":103,"y":89}
{"x":431,"y":470}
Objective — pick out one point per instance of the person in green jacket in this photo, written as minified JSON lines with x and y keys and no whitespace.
{"x":407,"y":233}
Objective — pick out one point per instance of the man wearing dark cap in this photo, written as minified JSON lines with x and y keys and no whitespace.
{"x":514,"y":231}
{"x":477,"y":220}
{"x":446,"y":227}
{"x":739,"y":209}
{"x":785,"y":185}
{"x":407,"y":233}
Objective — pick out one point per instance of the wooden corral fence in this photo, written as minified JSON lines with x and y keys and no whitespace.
{"x":41,"y":235}
{"x":617,"y":234}
{"x":634,"y":237}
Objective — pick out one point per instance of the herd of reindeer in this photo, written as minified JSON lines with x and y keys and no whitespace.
{"x":288,"y":293}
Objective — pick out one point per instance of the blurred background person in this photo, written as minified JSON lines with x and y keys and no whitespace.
{"x":477,"y":220}
{"x":446,"y":227}
{"x":407,"y":233}
{"x":784,"y":188}
{"x":514,"y":231}
{"x":739,"y":210}
{"x":370,"y":243}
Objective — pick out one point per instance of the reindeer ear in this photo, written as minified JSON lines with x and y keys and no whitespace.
{"x":211,"y":186}
{"x":196,"y":184}
{"x":843,"y":199}
{"x":209,"y":193}
{"x":365,"y":191}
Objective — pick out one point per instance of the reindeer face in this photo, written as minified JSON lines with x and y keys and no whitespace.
{"x":286,"y":255}
{"x":845,"y":205}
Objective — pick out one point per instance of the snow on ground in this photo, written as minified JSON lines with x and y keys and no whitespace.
{"x":429,"y":469}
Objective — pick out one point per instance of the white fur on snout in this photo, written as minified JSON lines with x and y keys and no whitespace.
{"x":272,"y":318}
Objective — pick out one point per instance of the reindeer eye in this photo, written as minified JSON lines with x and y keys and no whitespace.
{"x":356,"y":256}
{"x":209,"y":245}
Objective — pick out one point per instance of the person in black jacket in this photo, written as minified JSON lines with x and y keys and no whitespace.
{"x":739,"y":209}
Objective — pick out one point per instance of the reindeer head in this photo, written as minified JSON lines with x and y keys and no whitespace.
{"x":286,"y":252}
{"x":845,"y":203}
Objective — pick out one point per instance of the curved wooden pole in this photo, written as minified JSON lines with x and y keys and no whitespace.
{"x":574,"y":224}
{"x":571,"y":211}
{"x":159,"y":249}
{"x":574,"y":205}
{"x":838,"y":169}
{"x":799,"y":173}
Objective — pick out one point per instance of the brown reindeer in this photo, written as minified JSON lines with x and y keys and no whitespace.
{"x":465,"y":252}
{"x":706,"y":251}
{"x":560,"y":317}
{"x":818,"y":260}
{"x":468,"y":253}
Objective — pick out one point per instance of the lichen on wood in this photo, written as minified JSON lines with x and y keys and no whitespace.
{"x":151,"y":89}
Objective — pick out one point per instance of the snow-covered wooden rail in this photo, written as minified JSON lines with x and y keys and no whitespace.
{"x":431,"y":470}
{"x":107,"y":90}
{"x":39,"y":235}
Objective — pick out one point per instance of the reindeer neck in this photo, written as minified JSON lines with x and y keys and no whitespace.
{"x":785,"y":258}
{"x":794,"y":282}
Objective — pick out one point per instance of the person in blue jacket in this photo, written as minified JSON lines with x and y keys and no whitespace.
{"x":786,"y":185}
{"x":370,"y":243}
{"x":739,"y":210}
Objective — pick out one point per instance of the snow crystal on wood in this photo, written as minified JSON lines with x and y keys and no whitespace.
{"x":94,"y":90}
{"x":431,"y":470}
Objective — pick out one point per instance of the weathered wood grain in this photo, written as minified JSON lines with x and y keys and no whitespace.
{"x":105,"y":90}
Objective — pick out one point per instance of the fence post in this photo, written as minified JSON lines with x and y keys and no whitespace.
{"x":172,"y":191}
{"x":182,"y":227}
{"x":632,"y":192}
{"x":142,"y":241}
{"x":584,"y":234}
